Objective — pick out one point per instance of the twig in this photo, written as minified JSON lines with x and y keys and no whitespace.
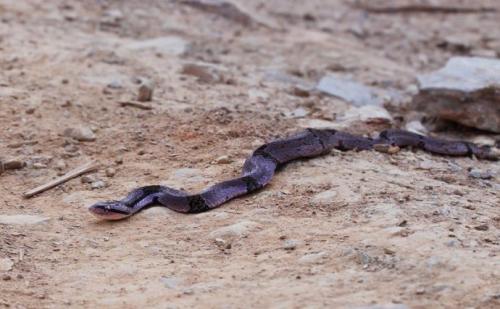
{"x":135,"y":104}
{"x":422,"y":8}
{"x":88,"y":167}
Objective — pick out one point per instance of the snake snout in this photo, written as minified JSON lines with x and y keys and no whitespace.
{"x":113,"y":210}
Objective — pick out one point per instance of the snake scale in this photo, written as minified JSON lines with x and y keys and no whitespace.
{"x":260,"y":167}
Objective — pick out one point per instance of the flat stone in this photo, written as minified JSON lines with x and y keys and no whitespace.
{"x":223,"y":160}
{"x":466,"y":91}
{"x":366,"y":114}
{"x":313,"y":258}
{"x":291,"y":244}
{"x":348,"y":90}
{"x":21,"y":219}
{"x":240,"y":229}
{"x":169,"y":45}
{"x":6,"y":264}
{"x":81,"y":133}
{"x":222,"y":8}
{"x":98,"y":184}
{"x":205,"y":72}
{"x":170,"y":282}
{"x":324,"y":198}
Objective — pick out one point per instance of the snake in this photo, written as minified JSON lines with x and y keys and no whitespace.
{"x":260,"y":167}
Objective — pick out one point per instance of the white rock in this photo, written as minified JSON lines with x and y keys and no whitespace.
{"x":145,"y":91}
{"x":297,"y":113}
{"x":312,"y":258}
{"x":348,"y":90}
{"x":169,"y":45}
{"x":170,"y":282}
{"x":21,"y":219}
{"x":324,"y":198}
{"x":80,"y":133}
{"x":416,"y":126}
{"x":291,"y":244}
{"x":6,"y":264}
{"x":239,"y":229}
{"x":223,"y":160}
{"x":368,"y":113}
{"x":464,"y":74}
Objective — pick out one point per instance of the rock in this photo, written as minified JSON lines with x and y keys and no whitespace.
{"x":81,"y":133}
{"x":98,"y":184}
{"x":39,"y":165}
{"x":301,"y":91}
{"x":466,"y":91}
{"x":170,"y":282}
{"x":223,"y":160}
{"x":385,"y":148}
{"x":6,"y":264}
{"x":313,"y":258}
{"x":221,"y":243}
{"x":416,"y":126}
{"x":290,"y":244}
{"x":88,"y":178}
{"x":205,"y":72}
{"x":297,"y":113}
{"x":60,"y":165}
{"x":145,"y":92}
{"x":362,"y":119}
{"x":111,"y":18}
{"x":222,"y":8}
{"x":21,"y":219}
{"x":484,"y":53}
{"x":11,"y":164}
{"x":169,"y":45}
{"x":476,"y":173}
{"x":110,"y":172}
{"x":482,"y":227}
{"x":348,"y":90}
{"x":324,"y":198}
{"x":240,"y":229}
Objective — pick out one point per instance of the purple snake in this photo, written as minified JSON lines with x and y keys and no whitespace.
{"x":260,"y":167}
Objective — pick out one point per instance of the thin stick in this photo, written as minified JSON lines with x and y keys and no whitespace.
{"x":135,"y":104}
{"x":88,"y":167}
{"x":424,"y":9}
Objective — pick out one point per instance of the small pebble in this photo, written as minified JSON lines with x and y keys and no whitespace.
{"x":6,"y":277}
{"x":476,"y":173}
{"x":290,"y":244}
{"x":82,"y":134}
{"x":12,"y":164}
{"x":88,"y":179}
{"x":221,"y":243}
{"x":39,"y":165}
{"x":110,"y":172}
{"x":223,"y":160}
{"x":385,"y":148}
{"x":99,"y":184}
{"x":60,"y":165}
{"x":145,"y":91}
{"x":482,"y":227}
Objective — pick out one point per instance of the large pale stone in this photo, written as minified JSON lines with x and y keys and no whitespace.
{"x":466,"y":91}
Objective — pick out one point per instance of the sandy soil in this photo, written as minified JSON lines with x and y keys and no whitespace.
{"x":345,"y":230}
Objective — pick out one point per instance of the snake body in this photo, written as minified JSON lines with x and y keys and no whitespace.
{"x":260,"y":167}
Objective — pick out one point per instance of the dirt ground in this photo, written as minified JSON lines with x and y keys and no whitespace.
{"x":345,"y":230}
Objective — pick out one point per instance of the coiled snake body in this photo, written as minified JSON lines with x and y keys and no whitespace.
{"x":260,"y":167}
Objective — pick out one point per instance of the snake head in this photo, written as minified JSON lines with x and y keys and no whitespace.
{"x":111,"y":210}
